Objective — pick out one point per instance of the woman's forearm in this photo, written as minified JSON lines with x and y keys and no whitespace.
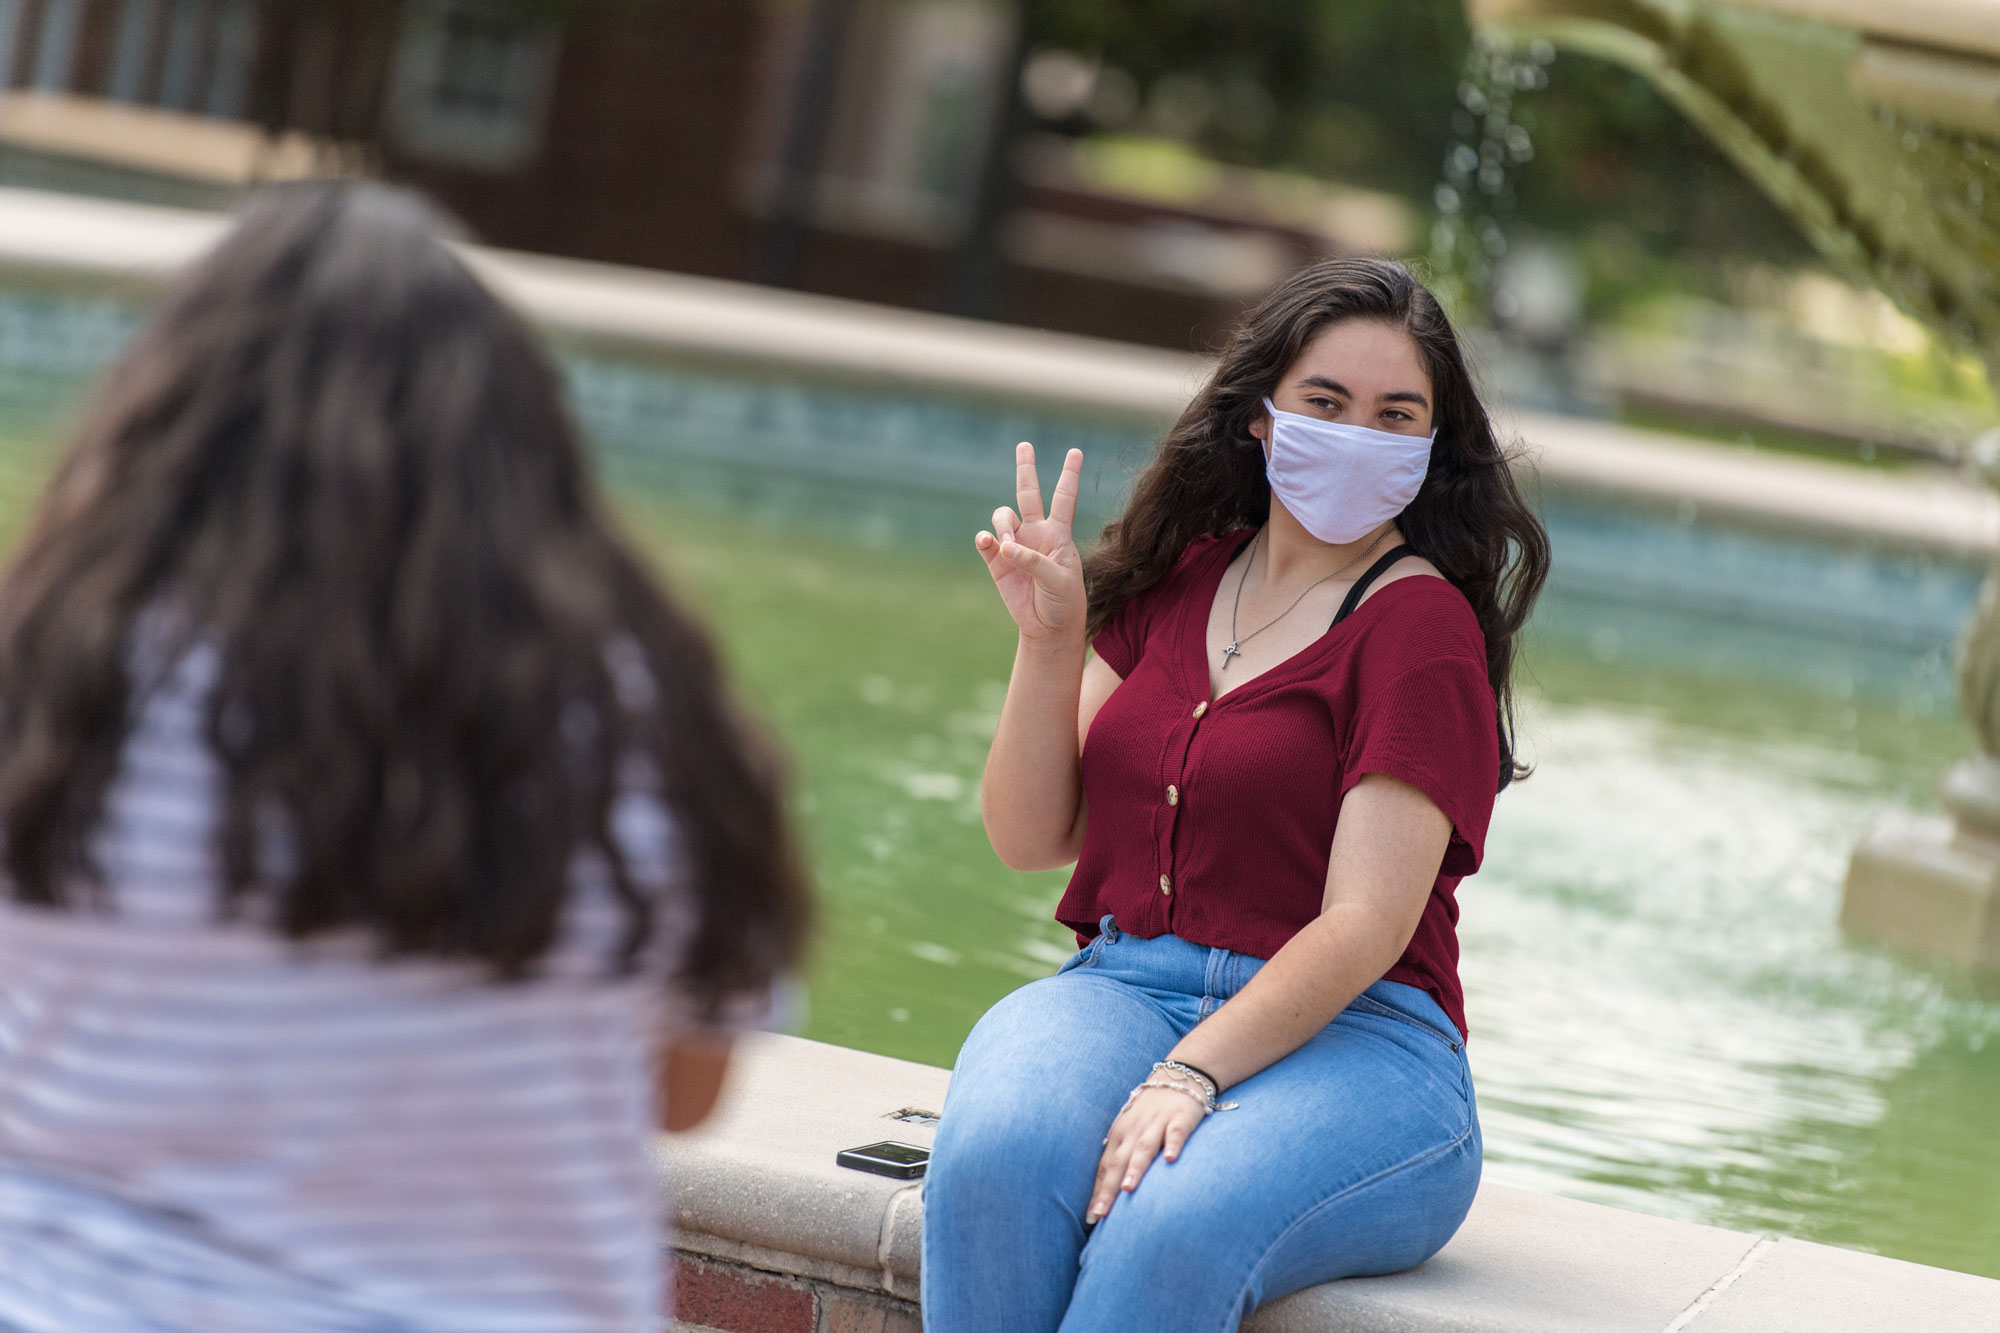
{"x":1304,"y":986}
{"x":1031,"y":797}
{"x":1385,"y":857}
{"x":692,"y":1071}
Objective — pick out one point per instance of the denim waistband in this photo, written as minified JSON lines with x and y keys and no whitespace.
{"x":1170,"y":963}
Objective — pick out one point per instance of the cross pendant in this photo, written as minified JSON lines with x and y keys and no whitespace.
{"x":1227,"y":653}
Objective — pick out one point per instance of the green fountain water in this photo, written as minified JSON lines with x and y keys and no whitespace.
{"x":1877,"y":128}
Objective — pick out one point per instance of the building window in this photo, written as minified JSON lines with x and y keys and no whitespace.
{"x":185,"y":24}
{"x":235,"y":48}
{"x":55,"y":45}
{"x":902,"y":155}
{"x":10,"y":39}
{"x":184,"y":55}
{"x":132,"y":49}
{"x":470,"y":85}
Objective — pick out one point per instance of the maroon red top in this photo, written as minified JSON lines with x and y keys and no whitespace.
{"x":1214,"y":820}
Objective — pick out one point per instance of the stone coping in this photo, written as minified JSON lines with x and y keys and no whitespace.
{"x":737,"y":324}
{"x":206,"y":149}
{"x":756,"y":1185}
{"x":1924,"y":510}
{"x":1961,"y":26}
{"x":1945,"y":25}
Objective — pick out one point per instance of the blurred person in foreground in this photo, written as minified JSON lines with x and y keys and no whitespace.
{"x":1272,"y":769}
{"x":376,"y":832}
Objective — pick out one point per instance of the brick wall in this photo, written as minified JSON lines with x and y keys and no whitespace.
{"x":711,"y":1296}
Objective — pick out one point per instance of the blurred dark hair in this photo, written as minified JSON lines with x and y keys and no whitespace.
{"x":333,"y":454}
{"x":1208,"y":477}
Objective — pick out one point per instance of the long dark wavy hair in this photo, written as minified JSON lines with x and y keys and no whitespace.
{"x":337,"y":458}
{"x":1469,"y":519}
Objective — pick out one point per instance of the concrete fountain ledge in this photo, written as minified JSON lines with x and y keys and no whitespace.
{"x":772,"y":1237}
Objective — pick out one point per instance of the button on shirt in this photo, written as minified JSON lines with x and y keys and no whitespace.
{"x":1213,"y":819}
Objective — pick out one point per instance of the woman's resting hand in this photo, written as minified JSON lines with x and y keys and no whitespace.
{"x":1155,"y":1119}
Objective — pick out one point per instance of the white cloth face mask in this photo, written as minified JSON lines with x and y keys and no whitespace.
{"x":1342,"y":482}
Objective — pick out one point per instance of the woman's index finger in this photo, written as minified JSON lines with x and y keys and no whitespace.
{"x":1062,"y":505}
{"x":1027,"y":486}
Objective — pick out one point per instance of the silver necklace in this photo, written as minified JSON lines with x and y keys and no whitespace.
{"x":1235,"y":640}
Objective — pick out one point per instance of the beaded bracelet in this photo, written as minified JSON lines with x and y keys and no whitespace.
{"x":1209,"y":1105}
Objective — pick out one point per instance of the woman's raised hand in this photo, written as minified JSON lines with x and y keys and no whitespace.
{"x":1033,"y":558}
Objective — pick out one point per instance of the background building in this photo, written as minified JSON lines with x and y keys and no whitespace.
{"x":846,"y":148}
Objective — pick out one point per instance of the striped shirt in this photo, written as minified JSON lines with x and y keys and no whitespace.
{"x":207,"y":1127}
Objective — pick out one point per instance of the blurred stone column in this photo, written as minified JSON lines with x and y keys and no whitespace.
{"x":1932,"y":884}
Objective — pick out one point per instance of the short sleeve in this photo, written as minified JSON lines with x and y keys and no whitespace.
{"x":1433,"y":726}
{"x":1122,"y":641}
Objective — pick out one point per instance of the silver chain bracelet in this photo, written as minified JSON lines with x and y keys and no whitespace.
{"x":1175,"y":1078}
{"x":1176,"y":1067}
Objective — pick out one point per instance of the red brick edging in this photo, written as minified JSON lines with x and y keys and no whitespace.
{"x":735,"y":1298}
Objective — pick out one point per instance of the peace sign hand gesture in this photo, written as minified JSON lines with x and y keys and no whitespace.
{"x":1033,"y":559}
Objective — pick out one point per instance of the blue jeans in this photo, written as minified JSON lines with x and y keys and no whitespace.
{"x":1358,"y":1153}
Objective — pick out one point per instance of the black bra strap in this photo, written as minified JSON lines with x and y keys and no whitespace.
{"x":1362,"y":584}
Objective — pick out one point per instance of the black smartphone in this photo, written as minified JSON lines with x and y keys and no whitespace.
{"x":899,"y":1161}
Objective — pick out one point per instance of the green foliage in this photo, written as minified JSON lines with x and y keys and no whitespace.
{"x":1368,"y":93}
